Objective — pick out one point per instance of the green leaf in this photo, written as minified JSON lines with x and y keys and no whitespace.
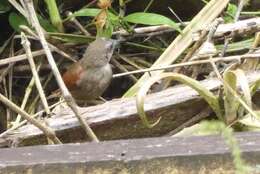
{"x":4,"y":6}
{"x":107,"y":31}
{"x":16,"y":20}
{"x":231,"y":12}
{"x":86,"y":12}
{"x":112,"y":20}
{"x":46,"y":24}
{"x":91,"y":12}
{"x":150,"y":19}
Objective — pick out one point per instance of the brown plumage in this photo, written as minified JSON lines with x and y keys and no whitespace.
{"x":88,"y":78}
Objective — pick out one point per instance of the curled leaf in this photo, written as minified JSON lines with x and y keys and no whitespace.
{"x":255,"y":86}
{"x":211,"y":99}
{"x":243,"y":83}
{"x":231,"y":104}
{"x":250,"y":121}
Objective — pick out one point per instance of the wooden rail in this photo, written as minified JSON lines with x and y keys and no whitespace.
{"x":202,"y":154}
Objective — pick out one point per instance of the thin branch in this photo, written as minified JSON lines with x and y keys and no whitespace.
{"x":26,"y":44}
{"x":13,"y":59}
{"x":26,"y":97}
{"x":239,"y":9}
{"x":78,"y":24}
{"x":217,"y":59}
{"x":123,"y":69}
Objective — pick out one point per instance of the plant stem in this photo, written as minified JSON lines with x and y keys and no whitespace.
{"x":54,"y":15}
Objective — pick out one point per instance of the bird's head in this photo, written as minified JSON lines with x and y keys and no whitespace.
{"x":99,"y":52}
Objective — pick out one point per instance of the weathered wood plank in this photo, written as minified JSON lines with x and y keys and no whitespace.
{"x":206,"y":154}
{"x":117,"y":119}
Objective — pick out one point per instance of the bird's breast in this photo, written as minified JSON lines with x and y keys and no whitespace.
{"x":93,"y":82}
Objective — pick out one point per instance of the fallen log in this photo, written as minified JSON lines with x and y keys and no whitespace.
{"x":118,"y":119}
{"x":201,"y":154}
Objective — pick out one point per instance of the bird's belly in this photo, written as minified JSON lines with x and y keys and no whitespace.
{"x":93,"y":83}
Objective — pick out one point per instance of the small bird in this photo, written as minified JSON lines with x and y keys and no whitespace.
{"x":88,"y":78}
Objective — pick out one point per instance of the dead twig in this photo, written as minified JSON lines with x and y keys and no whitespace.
{"x":13,"y":59}
{"x":26,"y":97}
{"x":26,"y":44}
{"x":25,"y":121}
{"x":197,"y":62}
{"x":67,"y":96}
{"x":78,"y":24}
{"x":46,"y":130}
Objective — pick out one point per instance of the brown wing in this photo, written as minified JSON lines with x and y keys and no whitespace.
{"x":72,"y":75}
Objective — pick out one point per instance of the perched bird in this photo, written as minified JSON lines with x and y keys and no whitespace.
{"x":88,"y":78}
